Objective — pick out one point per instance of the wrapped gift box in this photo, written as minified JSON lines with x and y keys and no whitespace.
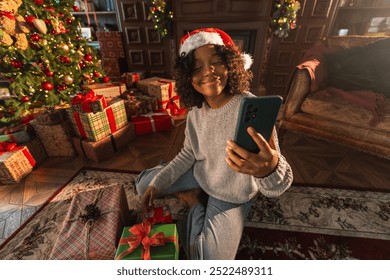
{"x":93,"y":225}
{"x":164,"y":90}
{"x":56,"y":139}
{"x":140,"y":105}
{"x":157,"y":215}
{"x":96,"y":126}
{"x":164,"y":242}
{"x":110,"y":44}
{"x":108,"y":89}
{"x":152,"y":122}
{"x":130,"y":78}
{"x":51,"y":117}
{"x":16,"y":134}
{"x":36,"y":149}
{"x":105,"y":147}
{"x":15,"y":163}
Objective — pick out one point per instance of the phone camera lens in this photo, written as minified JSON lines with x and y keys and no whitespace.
{"x":253,"y":116}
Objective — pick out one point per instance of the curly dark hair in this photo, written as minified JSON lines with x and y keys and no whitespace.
{"x":239,"y":79}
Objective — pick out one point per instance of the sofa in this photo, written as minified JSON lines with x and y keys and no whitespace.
{"x":324,"y":103}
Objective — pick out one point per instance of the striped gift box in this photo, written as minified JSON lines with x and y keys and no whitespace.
{"x":15,"y":164}
{"x":96,"y":126}
{"x":84,"y":236}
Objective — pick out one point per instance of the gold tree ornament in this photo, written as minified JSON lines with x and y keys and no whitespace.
{"x":40,"y":25}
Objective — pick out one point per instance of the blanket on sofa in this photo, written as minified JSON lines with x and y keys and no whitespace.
{"x":365,"y":67}
{"x":359,"y":75}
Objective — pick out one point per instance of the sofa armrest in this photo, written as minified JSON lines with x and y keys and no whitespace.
{"x":299,"y":89}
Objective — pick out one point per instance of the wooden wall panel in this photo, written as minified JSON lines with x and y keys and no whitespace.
{"x":145,"y":50}
{"x":313,"y":23}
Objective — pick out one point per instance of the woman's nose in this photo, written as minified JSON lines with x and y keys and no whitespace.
{"x":208,"y":69}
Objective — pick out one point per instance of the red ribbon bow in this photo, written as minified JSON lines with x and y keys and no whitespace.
{"x":86,"y":100}
{"x":141,"y":236}
{"x":171,"y":104}
{"x":9,"y":147}
{"x":7,"y":14}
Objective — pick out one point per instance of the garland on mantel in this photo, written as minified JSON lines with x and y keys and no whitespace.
{"x":284,"y":16}
{"x":161,"y":14}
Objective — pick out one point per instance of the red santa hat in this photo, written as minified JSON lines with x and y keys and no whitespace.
{"x":207,"y":36}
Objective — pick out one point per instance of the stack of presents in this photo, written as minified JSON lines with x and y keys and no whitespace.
{"x":98,"y":226}
{"x":94,"y":125}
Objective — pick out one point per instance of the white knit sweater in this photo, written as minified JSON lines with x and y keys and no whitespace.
{"x":206,"y":134}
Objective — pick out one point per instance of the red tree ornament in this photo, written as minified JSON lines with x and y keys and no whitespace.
{"x":38,"y":2}
{"x":35,"y":37}
{"x":96,"y":73}
{"x":88,"y":57}
{"x":47,"y":85}
{"x":105,"y":79}
{"x":76,"y":9}
{"x":25,"y":99}
{"x":48,"y":73}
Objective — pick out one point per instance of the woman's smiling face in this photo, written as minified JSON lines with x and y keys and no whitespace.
{"x":210,"y":74}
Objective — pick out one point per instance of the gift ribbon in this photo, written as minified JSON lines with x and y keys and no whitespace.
{"x":150,"y":115}
{"x":170,"y":103}
{"x":7,"y":14}
{"x":140,"y":235}
{"x":11,"y":147}
{"x":86,"y":101}
{"x":134,"y":77}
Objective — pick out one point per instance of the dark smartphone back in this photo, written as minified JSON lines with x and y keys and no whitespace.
{"x":260,"y":113}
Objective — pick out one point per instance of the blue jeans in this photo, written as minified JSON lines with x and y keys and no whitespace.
{"x":210,"y":233}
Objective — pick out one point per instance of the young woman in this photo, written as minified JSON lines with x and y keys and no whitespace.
{"x":212,"y":76}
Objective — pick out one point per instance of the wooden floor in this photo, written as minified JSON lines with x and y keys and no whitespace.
{"x":313,"y":162}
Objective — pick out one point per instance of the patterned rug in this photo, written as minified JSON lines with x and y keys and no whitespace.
{"x":304,"y":223}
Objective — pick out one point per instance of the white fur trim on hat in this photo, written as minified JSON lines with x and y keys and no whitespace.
{"x":247,"y":60}
{"x":210,"y":36}
{"x":200,"y":39}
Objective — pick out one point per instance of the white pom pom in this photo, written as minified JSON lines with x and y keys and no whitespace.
{"x":247,"y":60}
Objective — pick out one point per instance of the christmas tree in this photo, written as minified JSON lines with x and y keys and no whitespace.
{"x":49,"y":62}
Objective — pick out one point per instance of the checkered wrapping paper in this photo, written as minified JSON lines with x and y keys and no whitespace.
{"x":14,"y":166}
{"x":97,"y":125}
{"x":73,"y":242}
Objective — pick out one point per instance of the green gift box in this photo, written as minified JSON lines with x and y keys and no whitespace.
{"x":163,"y":238}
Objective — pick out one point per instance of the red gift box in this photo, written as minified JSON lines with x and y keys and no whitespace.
{"x":157,"y":215}
{"x":152,"y":122}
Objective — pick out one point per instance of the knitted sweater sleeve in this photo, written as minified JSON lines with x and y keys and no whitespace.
{"x":183,"y":161}
{"x":278,"y":181}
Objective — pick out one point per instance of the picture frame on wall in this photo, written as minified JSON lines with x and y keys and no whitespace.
{"x":129,"y":11}
{"x":156,"y":57}
{"x":152,"y":36}
{"x":133,"y":35}
{"x":136,"y":57}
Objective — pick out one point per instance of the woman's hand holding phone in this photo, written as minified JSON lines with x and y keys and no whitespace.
{"x":259,"y":164}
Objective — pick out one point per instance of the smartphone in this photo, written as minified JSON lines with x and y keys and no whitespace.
{"x":260,"y":113}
